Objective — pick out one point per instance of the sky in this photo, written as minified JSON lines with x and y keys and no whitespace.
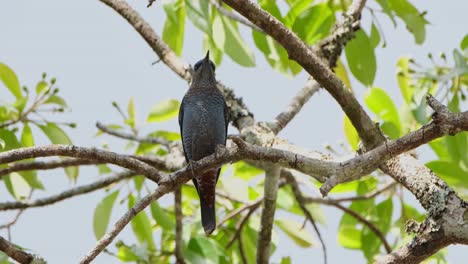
{"x":98,"y":58}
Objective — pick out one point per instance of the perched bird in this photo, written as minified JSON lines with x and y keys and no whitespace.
{"x":203,"y":121}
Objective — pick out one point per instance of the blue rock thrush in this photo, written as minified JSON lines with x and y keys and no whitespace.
{"x":203,"y":121}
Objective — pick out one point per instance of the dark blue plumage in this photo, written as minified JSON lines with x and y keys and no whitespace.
{"x":203,"y":124}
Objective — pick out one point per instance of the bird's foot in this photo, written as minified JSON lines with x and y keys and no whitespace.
{"x":192,"y":165}
{"x":220,"y":151}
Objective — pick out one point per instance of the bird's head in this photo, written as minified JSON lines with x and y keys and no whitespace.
{"x":204,"y":71}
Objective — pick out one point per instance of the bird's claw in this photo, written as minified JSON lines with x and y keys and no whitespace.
{"x":220,"y":151}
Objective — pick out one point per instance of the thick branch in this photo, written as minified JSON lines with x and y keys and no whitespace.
{"x":302,"y":54}
{"x":82,"y":153}
{"x":444,"y":123}
{"x":68,"y":193}
{"x":17,"y":254}
{"x":268,"y":214}
{"x":238,"y":112}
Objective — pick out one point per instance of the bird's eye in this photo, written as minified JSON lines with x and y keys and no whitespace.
{"x":212,"y":66}
{"x":197,"y":65}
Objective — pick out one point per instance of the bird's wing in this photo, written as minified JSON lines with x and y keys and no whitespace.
{"x":226,"y":118}
{"x":181,"y":121}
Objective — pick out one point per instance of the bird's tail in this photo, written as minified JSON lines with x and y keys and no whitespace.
{"x":208,"y":216}
{"x":206,"y":186}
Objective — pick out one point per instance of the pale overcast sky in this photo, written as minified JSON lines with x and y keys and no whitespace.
{"x":98,"y":58}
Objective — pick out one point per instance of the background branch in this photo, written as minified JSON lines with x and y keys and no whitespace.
{"x":17,"y":254}
{"x":68,"y":193}
{"x":82,"y":153}
{"x":179,"y":241}
{"x":268,"y":214}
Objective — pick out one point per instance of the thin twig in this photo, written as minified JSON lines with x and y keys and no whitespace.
{"x":234,"y":16}
{"x":241,"y":224}
{"x":239,"y":210}
{"x":46,"y":165}
{"x":300,"y":200}
{"x":128,"y":136}
{"x":68,"y":193}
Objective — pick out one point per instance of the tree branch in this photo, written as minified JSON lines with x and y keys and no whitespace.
{"x":328,"y":49}
{"x":233,"y":16}
{"x":302,"y":54}
{"x":46,"y":165}
{"x":238,"y":112}
{"x":128,"y":136}
{"x":82,"y":153}
{"x":68,"y":193}
{"x":268,"y":214}
{"x":179,"y":241}
{"x":301,"y":201}
{"x":17,"y":254}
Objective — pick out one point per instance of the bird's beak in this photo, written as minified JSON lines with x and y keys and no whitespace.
{"x":207,"y":57}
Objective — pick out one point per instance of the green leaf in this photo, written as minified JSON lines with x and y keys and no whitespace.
{"x":294,"y":230}
{"x":457,"y":146}
{"x":54,"y":99}
{"x":163,"y":111}
{"x":285,"y":260}
{"x":161,"y":217}
{"x":450,"y":171}
{"x":342,"y":73}
{"x":167,"y":135}
{"x":351,"y":133}
{"x":2,"y":144}
{"x":348,"y":235}
{"x":31,"y":178}
{"x":296,"y":9}
{"x":173,"y":32}
{"x":198,"y":13}
{"x":464,"y":43}
{"x":104,"y":169}
{"x":404,"y":80}
{"x":374,"y":36}
{"x":361,"y":58}
{"x":203,"y":250}
{"x":57,"y":136}
{"x":9,"y":78}
{"x":234,"y":45}
{"x":275,"y":55}
{"x":415,"y":21}
{"x":102,"y":214}
{"x":9,"y":139}
{"x":384,"y":214}
{"x":131,"y":111}
{"x":245,"y":170}
{"x":314,"y":23}
{"x":219,"y":35}
{"x":126,"y":254}
{"x":382,"y":105}
{"x":216,"y":55}
{"x":17,"y":186}
{"x":138,"y":181}
{"x":387,"y":10}
{"x":141,"y":226}
{"x":42,"y":87}
{"x":27,"y":139}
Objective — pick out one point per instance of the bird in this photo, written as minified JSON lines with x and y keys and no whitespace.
{"x":203,"y":121}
